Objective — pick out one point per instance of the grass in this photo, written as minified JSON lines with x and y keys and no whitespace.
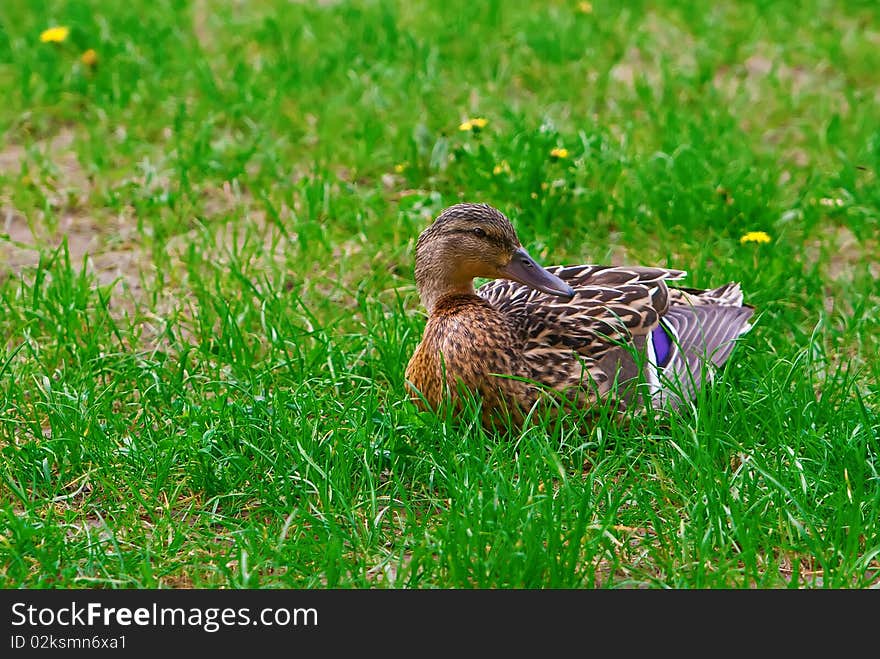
{"x":207,"y":303}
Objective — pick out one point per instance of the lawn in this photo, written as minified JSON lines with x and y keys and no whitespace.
{"x":207,"y":232}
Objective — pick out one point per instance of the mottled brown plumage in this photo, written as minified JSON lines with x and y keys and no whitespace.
{"x":574,"y":335}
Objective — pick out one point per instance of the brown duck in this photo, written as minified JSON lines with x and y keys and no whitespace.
{"x":578,"y":335}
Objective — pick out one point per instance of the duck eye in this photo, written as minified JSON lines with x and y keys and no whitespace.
{"x":479,"y":233}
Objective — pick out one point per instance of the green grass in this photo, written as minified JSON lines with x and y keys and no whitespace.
{"x":207,"y":302}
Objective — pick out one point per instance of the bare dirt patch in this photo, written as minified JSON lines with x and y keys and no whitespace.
{"x":841,"y":253}
{"x":64,"y":184}
{"x":111,"y":246}
{"x":663,"y":36}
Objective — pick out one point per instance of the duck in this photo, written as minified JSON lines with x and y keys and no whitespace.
{"x":572,"y":337}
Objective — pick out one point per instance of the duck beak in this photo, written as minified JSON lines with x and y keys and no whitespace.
{"x":525,"y":270}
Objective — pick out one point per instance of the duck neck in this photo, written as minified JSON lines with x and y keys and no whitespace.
{"x":433,"y":286}
{"x":437,"y":290}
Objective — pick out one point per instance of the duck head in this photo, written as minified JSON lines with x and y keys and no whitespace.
{"x":475,"y":240}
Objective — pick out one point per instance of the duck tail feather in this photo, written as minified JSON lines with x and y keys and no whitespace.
{"x":702,"y":340}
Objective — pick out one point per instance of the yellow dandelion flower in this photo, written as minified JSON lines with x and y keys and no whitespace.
{"x":400,"y":168}
{"x":585,"y":7}
{"x":55,"y":34}
{"x":473,"y":125}
{"x":559,"y":153}
{"x":89,"y":58}
{"x":501,"y":168}
{"x":755,"y":237}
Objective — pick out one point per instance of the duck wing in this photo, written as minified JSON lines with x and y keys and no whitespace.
{"x":620,"y":319}
{"x":589,"y":338}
